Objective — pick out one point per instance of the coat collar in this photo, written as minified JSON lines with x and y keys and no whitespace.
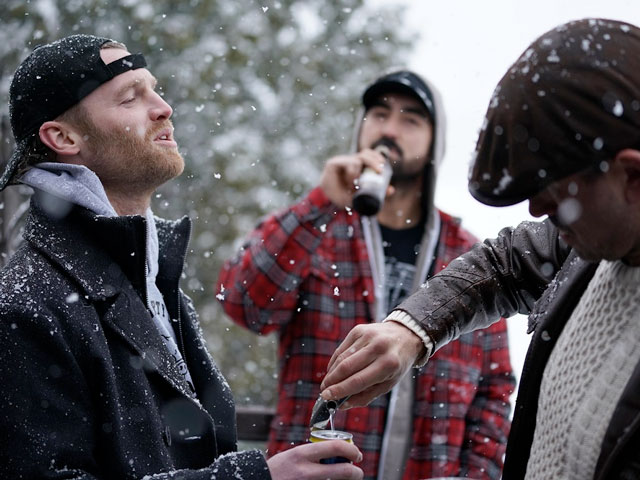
{"x":101,"y":253}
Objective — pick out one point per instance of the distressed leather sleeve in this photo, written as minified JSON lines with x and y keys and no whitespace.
{"x":496,"y":278}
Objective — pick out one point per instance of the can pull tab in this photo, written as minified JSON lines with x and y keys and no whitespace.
{"x":322,"y":411}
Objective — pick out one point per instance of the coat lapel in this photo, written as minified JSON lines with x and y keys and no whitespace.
{"x":139,"y":331}
{"x":112,"y":275}
{"x":624,"y":426}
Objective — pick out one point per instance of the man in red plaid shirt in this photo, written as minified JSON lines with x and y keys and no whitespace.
{"x":315,"y":270}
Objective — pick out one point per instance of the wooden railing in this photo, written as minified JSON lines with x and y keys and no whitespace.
{"x":254,"y":422}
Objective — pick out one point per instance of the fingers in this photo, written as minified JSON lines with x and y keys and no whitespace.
{"x":367,"y":396}
{"x":337,"y":179}
{"x":369,"y":362}
{"x":346,"y":348}
{"x":363,"y":376}
{"x":341,"y":172}
{"x":355,"y":342}
{"x":372,"y":159}
{"x":303,"y":462}
{"x":334,"y":448}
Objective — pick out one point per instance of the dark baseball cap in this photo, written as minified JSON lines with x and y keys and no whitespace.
{"x":51,"y":80}
{"x":401,"y":81}
{"x":568,"y":104}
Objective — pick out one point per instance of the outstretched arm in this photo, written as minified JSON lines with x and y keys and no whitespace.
{"x":53,"y":425}
{"x":496,"y":278}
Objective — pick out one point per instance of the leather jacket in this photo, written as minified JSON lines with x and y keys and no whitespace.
{"x":527,"y":270}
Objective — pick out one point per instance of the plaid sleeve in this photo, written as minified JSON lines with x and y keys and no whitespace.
{"x":259,"y":288}
{"x":487,"y":422}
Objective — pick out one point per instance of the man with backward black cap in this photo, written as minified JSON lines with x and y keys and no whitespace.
{"x":318,"y":268}
{"x":103,"y":369}
{"x":563,"y":132}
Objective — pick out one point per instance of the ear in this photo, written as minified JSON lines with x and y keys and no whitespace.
{"x":629,"y":160}
{"x":60,"y":138}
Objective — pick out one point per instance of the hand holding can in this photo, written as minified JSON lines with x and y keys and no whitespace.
{"x":317,"y":459}
{"x":324,"y":435}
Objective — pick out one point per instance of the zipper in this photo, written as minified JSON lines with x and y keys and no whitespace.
{"x":146,"y":267}
{"x":180,"y":337}
{"x":179,"y":303}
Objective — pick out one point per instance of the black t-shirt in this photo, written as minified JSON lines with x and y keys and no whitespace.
{"x":401,"y":249}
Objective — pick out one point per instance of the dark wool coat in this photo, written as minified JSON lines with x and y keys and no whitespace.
{"x":527,"y":270}
{"x":87,"y":390}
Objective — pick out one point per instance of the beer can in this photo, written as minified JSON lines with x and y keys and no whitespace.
{"x":324,"y":435}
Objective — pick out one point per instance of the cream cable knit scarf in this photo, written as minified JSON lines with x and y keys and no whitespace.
{"x":586,"y":375}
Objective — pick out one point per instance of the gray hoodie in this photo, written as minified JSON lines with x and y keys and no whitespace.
{"x":398,"y":427}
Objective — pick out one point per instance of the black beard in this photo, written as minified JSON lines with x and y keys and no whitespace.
{"x":401,"y":179}
{"x":390,"y":144}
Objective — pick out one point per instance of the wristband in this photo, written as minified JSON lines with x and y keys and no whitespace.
{"x":408,"y":321}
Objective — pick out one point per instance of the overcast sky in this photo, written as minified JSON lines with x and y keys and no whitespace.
{"x":465,"y":47}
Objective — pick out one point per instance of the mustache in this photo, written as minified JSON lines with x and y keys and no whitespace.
{"x":152,"y":132}
{"x":390,"y":144}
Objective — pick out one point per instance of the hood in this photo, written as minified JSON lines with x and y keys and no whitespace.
{"x":59,"y":186}
{"x":68,"y":185}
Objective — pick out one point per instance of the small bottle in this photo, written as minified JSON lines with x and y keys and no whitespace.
{"x":323,"y":411}
{"x":372,"y":186}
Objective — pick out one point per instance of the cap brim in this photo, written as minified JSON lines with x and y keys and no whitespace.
{"x":386,"y":86}
{"x":8,"y":174}
{"x":498,"y":200}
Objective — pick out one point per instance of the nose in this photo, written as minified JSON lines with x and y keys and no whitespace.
{"x":160,"y":109}
{"x":542,"y":204}
{"x":390,"y":127}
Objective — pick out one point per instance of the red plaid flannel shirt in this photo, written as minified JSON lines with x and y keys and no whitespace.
{"x":305,"y":274}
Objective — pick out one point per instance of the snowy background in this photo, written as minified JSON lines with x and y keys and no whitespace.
{"x":465,"y":47}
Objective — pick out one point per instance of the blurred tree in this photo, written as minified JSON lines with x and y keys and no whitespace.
{"x":263,"y":92}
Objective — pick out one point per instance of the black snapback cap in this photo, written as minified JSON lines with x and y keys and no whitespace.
{"x":402,"y":81}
